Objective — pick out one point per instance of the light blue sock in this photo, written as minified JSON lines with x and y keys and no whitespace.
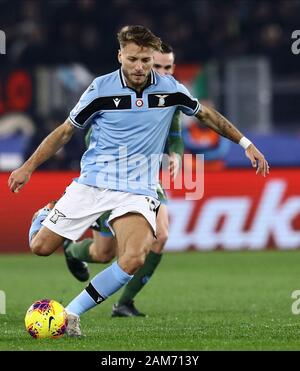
{"x":37,"y":223}
{"x":101,"y":287}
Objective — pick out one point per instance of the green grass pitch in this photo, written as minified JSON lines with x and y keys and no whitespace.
{"x":195,"y":301}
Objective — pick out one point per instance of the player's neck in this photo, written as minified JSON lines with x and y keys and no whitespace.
{"x":137,"y":88}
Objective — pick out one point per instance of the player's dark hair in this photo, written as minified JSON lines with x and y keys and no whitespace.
{"x":139,"y":35}
{"x":167,"y":49}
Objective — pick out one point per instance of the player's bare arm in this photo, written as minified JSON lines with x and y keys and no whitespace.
{"x":222,"y":126}
{"x":49,"y":146}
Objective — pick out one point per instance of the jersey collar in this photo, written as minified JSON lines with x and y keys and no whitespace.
{"x":151,"y":79}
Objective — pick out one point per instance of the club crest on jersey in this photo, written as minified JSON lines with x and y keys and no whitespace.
{"x":57,"y":214}
{"x":139,"y":102}
{"x":161,"y":102}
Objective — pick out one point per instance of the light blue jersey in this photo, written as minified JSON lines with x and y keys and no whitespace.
{"x":129,"y":130}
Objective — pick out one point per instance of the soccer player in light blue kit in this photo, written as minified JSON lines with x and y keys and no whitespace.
{"x":130,"y":111}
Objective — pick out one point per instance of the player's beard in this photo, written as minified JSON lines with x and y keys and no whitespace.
{"x":137,"y":82}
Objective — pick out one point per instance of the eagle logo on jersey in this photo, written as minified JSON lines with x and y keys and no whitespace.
{"x":57,"y":214}
{"x":161,"y":102}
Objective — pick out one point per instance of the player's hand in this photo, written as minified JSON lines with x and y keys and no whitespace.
{"x":174,"y":164}
{"x":258,"y":160}
{"x":18,"y":178}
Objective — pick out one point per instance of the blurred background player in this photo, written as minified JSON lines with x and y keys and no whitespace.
{"x":102,"y":248}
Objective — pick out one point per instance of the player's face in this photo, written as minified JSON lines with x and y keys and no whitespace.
{"x":164,"y":63}
{"x":136,"y":62}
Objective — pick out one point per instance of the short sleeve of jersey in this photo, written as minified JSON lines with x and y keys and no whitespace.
{"x":82,"y":113}
{"x":187,"y":103}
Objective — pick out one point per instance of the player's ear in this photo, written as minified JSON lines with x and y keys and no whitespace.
{"x":119,"y":56}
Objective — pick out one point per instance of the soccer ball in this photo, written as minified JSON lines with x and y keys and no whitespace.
{"x":46,"y":319}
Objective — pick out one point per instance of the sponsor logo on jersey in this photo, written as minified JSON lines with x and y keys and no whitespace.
{"x":117,"y":101}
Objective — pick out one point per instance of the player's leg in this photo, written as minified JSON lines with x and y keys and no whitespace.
{"x":43,"y":241}
{"x":134,"y":239}
{"x":77,"y":267}
{"x":64,"y":220}
{"x":103,"y":248}
{"x":125,"y":306}
{"x":99,"y":249}
{"x":134,"y":235}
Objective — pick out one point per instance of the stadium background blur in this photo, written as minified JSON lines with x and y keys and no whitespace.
{"x":234,"y":55}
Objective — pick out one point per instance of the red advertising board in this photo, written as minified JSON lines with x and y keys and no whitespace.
{"x":238,"y":210}
{"x":17,"y":209}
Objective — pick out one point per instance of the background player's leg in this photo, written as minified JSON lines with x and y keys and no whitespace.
{"x":125,"y":306}
{"x":79,"y":250}
{"x":103,"y":249}
{"x":99,"y":249}
{"x":76,"y":254}
{"x":162,"y":221}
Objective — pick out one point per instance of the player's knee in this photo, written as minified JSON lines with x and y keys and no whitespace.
{"x":39,"y":247}
{"x":102,"y":257}
{"x":136,"y":263}
{"x":133,"y":262}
